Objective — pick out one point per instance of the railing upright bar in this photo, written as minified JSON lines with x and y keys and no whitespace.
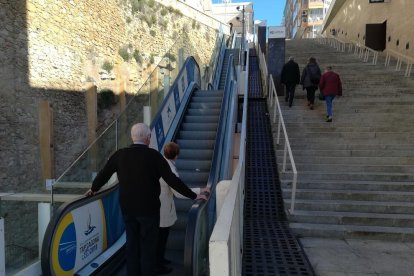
{"x":284,"y":156}
{"x":279,"y":124}
{"x":292,"y":201}
{"x":116,"y":134}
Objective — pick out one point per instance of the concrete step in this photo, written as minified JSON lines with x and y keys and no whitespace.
{"x":394,"y":146}
{"x":351,"y":168}
{"x":354,"y":195}
{"x":350,"y":185}
{"x":353,"y":206}
{"x":356,"y":174}
{"x":361,"y":176}
{"x":344,"y":140}
{"x":322,"y":153}
{"x":371,"y":160}
{"x":353,"y":218}
{"x":399,"y":136}
{"x":402,"y":234}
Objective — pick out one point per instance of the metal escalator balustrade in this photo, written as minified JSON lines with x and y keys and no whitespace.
{"x":270,"y":248}
{"x":196,"y":137}
{"x":202,"y":214}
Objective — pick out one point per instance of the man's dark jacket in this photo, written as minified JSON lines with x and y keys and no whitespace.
{"x":290,"y":73}
{"x":139,"y":169}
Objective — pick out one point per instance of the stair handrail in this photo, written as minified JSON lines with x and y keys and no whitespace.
{"x":400,"y":58}
{"x":363,"y":52}
{"x":360,"y":50}
{"x":264,"y":72}
{"x":274,"y":101}
{"x":191,"y":266}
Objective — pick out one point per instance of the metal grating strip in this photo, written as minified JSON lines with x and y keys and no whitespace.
{"x":269,"y":246}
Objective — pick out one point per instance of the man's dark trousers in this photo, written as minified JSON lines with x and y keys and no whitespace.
{"x":141,"y":244}
{"x":290,"y":92}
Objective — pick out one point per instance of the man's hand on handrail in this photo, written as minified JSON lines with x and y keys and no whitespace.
{"x":89,"y":193}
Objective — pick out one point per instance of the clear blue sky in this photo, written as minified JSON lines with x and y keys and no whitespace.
{"x":270,"y":10}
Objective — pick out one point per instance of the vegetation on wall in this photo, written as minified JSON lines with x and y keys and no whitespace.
{"x":137,"y":57}
{"x":124,"y":53}
{"x":107,"y":66}
{"x":171,"y":57}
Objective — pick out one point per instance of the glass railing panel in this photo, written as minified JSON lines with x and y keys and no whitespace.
{"x":22,"y":247}
{"x":78,"y":178}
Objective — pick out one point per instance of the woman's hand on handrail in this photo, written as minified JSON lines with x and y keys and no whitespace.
{"x":204,"y":193}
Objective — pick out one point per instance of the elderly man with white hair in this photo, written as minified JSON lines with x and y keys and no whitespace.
{"x":139,"y":169}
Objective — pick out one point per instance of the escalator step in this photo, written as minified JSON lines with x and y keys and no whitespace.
{"x":198,"y":127}
{"x":205,"y":105}
{"x":189,"y":154}
{"x":192,"y":177}
{"x":194,"y":164}
{"x":195,"y":144}
{"x":202,"y":112}
{"x":200,"y":119}
{"x":206,"y":99}
{"x":208,"y":93}
{"x":197,"y":135}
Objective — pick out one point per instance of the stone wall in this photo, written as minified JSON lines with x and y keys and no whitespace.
{"x":50,"y":50}
{"x":352,"y":17}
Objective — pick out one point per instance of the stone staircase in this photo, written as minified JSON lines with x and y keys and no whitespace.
{"x":356,"y":174}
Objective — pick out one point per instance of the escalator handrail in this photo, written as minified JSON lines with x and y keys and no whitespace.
{"x":197,"y":208}
{"x":219,"y":65}
{"x":187,"y":61}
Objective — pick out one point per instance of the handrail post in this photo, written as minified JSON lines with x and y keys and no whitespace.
{"x":278,"y":130}
{"x":116,"y":135}
{"x":292,"y":200}
{"x":284,"y":156}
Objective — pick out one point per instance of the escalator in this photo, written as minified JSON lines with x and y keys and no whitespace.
{"x":199,"y":128}
{"x":197,"y":138}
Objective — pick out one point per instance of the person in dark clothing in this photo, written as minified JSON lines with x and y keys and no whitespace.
{"x":139,"y":169}
{"x":310,"y":80}
{"x":290,"y":78}
{"x":330,"y":86}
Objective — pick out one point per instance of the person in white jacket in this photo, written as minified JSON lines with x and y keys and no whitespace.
{"x":168,"y":215}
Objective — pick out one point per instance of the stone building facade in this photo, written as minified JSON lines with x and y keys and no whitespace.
{"x":391,"y":21}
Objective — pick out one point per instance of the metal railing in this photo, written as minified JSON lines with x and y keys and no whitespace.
{"x":226,"y":241}
{"x":400,"y":58}
{"x":363,"y":52}
{"x":273,"y":101}
{"x":201,"y":215}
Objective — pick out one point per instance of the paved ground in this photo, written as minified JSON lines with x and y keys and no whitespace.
{"x":333,"y":257}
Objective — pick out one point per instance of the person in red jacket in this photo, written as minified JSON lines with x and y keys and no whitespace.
{"x":330,"y":86}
